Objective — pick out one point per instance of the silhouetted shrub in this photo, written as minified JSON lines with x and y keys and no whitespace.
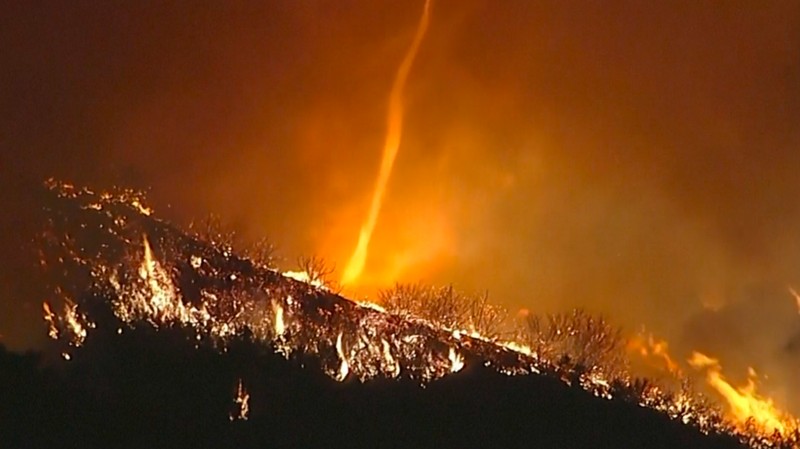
{"x":579,"y":342}
{"x":446,"y":307}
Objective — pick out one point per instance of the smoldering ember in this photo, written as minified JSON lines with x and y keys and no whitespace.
{"x":170,"y":337}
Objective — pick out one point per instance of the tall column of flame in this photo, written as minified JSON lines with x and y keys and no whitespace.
{"x":394,"y":127}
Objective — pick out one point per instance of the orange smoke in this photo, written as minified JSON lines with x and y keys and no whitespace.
{"x":394,"y":128}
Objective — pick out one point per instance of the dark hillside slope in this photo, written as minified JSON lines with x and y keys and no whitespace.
{"x":156,"y":330}
{"x":154,"y":389}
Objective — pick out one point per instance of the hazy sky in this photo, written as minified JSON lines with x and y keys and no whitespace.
{"x":635,"y":158}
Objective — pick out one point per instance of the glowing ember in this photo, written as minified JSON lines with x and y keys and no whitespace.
{"x":242,"y":403}
{"x":50,"y":317}
{"x":138,"y":205}
{"x":72,"y":324}
{"x":394,"y":129}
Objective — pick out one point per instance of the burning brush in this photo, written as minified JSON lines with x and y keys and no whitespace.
{"x":119,"y":267}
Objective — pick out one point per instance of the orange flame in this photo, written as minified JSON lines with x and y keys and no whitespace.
{"x":745,"y":404}
{"x":280,"y":327}
{"x":50,"y":317}
{"x":796,"y":297}
{"x":344,"y":368}
{"x":303,"y":276}
{"x":242,"y":402}
{"x":371,"y":342}
{"x":656,"y":351}
{"x":456,"y":361}
{"x":394,"y":128}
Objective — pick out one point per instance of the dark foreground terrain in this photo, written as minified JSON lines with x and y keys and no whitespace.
{"x":153,"y":371}
{"x":147,"y":388}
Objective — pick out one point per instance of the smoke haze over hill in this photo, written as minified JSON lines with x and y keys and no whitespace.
{"x":636,"y":159}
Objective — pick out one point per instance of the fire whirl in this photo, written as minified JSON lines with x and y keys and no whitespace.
{"x":394,"y":130}
{"x":109,"y":253}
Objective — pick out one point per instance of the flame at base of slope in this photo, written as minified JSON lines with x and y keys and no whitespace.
{"x":747,"y":410}
{"x":148,"y":273}
{"x":746,"y":406}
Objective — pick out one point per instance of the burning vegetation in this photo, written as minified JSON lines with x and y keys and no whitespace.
{"x":116,"y":267}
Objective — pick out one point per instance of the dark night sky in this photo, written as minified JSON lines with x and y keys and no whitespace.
{"x":636,"y":158}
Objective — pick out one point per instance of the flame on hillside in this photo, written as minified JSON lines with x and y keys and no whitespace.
{"x":656,"y":352}
{"x":50,"y":318}
{"x":745,"y":405}
{"x":241,"y":402}
{"x":303,"y":276}
{"x":149,"y":273}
